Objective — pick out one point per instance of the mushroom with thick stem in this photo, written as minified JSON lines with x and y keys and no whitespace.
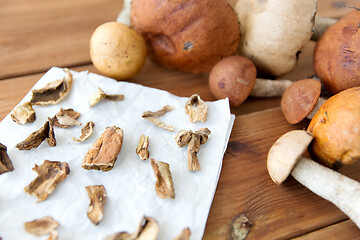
{"x":193,"y":140}
{"x":286,"y":157}
{"x":235,"y":77}
{"x":301,"y":100}
{"x":196,"y":109}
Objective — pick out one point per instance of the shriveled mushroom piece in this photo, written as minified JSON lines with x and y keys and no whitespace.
{"x":42,"y":226}
{"x":193,"y":140}
{"x":5,"y":162}
{"x":235,"y":77}
{"x":196,"y":109}
{"x":184,"y":235}
{"x":100,"y":95}
{"x":97,"y":195}
{"x":36,"y":138}
{"x":66,"y":117}
{"x":50,"y":174}
{"x":53,"y":92}
{"x":24,"y":113}
{"x":142,"y":149}
{"x":285,"y":157}
{"x":301,"y":100}
{"x":53,"y":235}
{"x":148,"y":229}
{"x":164,"y":186}
{"x":104,"y":152}
{"x":153,"y":117}
{"x":86,"y":132}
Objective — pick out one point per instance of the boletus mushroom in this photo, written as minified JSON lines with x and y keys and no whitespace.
{"x":187,"y":35}
{"x":301,"y":100}
{"x":235,"y":77}
{"x":337,"y":54}
{"x":286,"y":157}
{"x":336,"y":129}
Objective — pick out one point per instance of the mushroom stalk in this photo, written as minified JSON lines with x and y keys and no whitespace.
{"x":269,"y":88}
{"x":321,"y":25}
{"x":318,"y":104}
{"x":338,"y":189}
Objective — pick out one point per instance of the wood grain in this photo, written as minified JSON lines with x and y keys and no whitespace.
{"x":276,"y":212}
{"x":343,"y":230}
{"x":36,"y":35}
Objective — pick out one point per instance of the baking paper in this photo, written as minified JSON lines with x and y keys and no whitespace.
{"x":130,"y":185}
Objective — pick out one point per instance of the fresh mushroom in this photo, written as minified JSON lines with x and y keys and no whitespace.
{"x":286,"y":157}
{"x":301,"y":100}
{"x":235,"y":77}
{"x":337,"y":54}
{"x":193,"y":139}
{"x":336,"y":129}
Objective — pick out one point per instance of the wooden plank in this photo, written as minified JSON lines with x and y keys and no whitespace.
{"x":276,"y":212}
{"x":343,"y":230}
{"x":38,"y":34}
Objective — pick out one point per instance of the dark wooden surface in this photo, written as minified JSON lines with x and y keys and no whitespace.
{"x":36,"y":35}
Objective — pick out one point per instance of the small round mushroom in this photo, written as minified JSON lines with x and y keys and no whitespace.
{"x":336,"y":129}
{"x":286,"y":157}
{"x":301,"y":100}
{"x":235,"y":77}
{"x":337,"y":54}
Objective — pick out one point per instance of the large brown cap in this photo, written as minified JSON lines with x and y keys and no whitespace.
{"x":189,"y":35}
{"x":336,"y":129}
{"x":299,"y":99}
{"x":337,"y":54}
{"x":233,"y":77}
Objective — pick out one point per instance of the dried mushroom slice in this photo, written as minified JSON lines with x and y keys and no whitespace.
{"x":164,"y":186}
{"x":142,"y":149}
{"x":97,"y":197}
{"x":196,"y":109}
{"x":86,"y":132}
{"x":36,"y":138}
{"x":42,"y":226}
{"x":104,"y":152}
{"x":5,"y":162}
{"x":153,"y":117}
{"x":53,"y":92}
{"x":53,"y":235}
{"x":23,"y":114}
{"x":148,"y":229}
{"x":66,"y":118}
{"x":100,"y":95}
{"x":184,"y":235}
{"x":50,"y":174}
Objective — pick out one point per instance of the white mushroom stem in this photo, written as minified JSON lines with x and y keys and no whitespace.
{"x":269,"y":88}
{"x":318,"y":104}
{"x":124,"y":15}
{"x":342,"y":191}
{"x":321,"y":25}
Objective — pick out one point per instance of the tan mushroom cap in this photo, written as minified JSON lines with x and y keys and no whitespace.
{"x":285,"y":153}
{"x":336,"y":129}
{"x":299,"y":99}
{"x":233,"y":77}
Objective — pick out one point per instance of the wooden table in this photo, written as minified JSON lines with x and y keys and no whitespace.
{"x":36,"y":35}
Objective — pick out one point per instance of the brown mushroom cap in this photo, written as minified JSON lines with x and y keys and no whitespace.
{"x":233,"y":77}
{"x":336,"y":129}
{"x":285,"y":153}
{"x":337,"y":54}
{"x":187,"y":35}
{"x":299,"y":99}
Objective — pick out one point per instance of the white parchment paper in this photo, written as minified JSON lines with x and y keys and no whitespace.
{"x":130,"y":184}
